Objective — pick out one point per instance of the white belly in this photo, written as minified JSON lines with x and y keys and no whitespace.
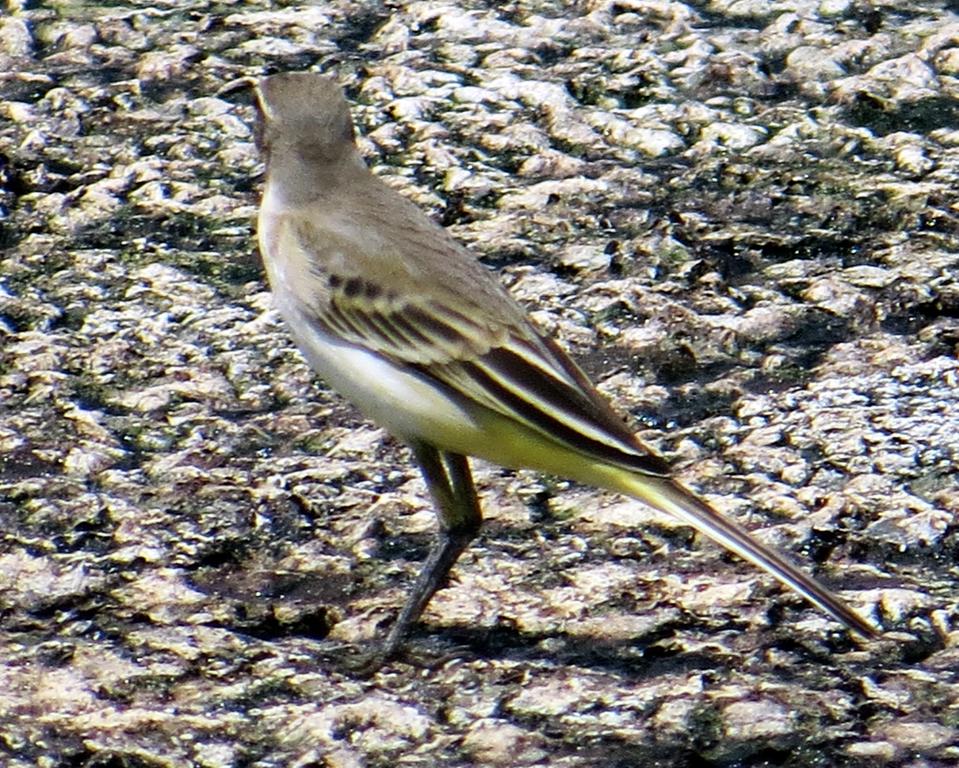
{"x":403,"y":402}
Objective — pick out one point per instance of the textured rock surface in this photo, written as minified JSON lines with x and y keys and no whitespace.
{"x":741,"y":216}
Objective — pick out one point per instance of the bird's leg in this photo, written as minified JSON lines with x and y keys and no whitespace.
{"x":450,"y":483}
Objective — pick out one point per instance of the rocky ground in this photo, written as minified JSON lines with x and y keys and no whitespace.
{"x":740,"y":215}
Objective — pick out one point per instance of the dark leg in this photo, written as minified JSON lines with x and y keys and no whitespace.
{"x":450,"y":483}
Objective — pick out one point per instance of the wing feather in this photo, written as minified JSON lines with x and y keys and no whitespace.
{"x":495,"y":358}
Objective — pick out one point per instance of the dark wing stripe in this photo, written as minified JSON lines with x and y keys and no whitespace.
{"x":362,"y":327}
{"x":336,"y":322}
{"x":389,"y":331}
{"x":540,"y":357}
{"x":575,"y":373}
{"x":549,"y":425}
{"x":543,"y":390}
{"x":414,"y":334}
{"x":433,"y":327}
{"x":602,"y":410}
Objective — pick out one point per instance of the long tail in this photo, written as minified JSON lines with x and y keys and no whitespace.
{"x":667,"y":496}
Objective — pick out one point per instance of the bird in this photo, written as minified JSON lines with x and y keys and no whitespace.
{"x":404,"y":321}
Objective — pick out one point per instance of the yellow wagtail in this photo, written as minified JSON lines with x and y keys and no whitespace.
{"x":404,"y":321}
